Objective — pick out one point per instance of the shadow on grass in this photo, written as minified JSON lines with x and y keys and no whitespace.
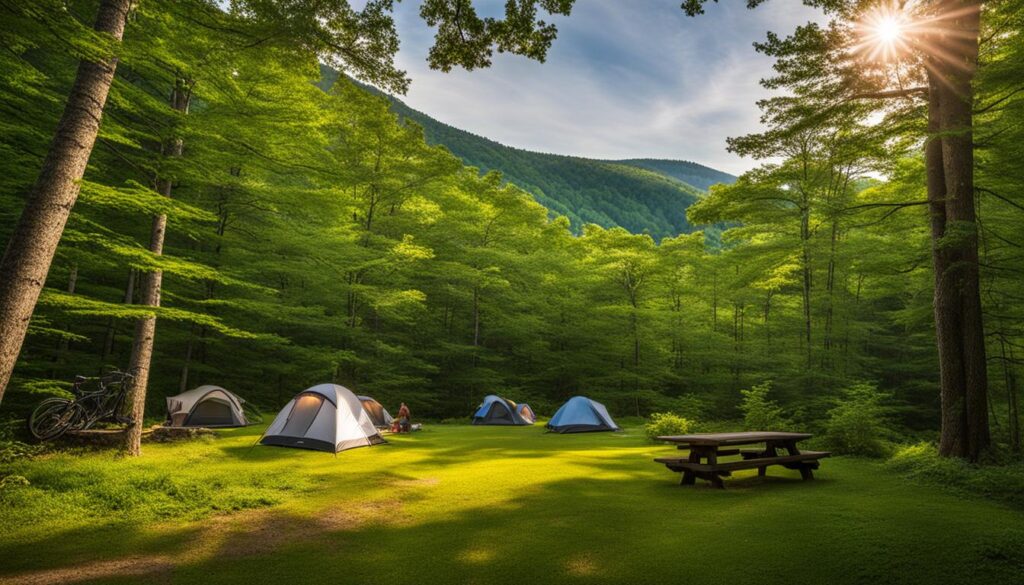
{"x":584,"y":530}
{"x":490,"y":510}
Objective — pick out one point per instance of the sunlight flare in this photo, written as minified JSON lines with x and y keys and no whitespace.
{"x":885,"y":33}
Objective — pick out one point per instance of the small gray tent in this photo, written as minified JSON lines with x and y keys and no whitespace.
{"x":580,"y":414}
{"x":526,"y":413}
{"x":380,"y":416}
{"x":206,"y":406}
{"x":495,"y":410}
{"x":327,"y":417}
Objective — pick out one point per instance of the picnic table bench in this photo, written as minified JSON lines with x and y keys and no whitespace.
{"x":705,"y":449}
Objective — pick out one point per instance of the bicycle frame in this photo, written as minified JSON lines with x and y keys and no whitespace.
{"x":101,"y":404}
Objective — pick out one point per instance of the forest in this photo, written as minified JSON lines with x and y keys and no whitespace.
{"x":314,"y":235}
{"x":640,"y":195}
{"x":225,"y":196}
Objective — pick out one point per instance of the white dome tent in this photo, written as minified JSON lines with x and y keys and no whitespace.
{"x":206,"y":406}
{"x":326,"y":417}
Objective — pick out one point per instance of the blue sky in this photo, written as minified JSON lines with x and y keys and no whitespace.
{"x":624,"y":79}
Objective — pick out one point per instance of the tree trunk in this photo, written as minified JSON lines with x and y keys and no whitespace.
{"x":63,"y":343}
{"x":476,"y":316}
{"x":961,"y":337}
{"x":129,"y":296}
{"x":145,"y":328}
{"x":30,"y":250}
{"x":183,"y":379}
{"x":714,"y":301}
{"x":1013,"y":411}
{"x":805,"y":260}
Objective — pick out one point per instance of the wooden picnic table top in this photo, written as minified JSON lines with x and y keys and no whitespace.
{"x":724,"y":439}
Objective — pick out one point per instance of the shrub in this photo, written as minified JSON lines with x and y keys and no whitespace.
{"x":759,"y":412}
{"x":859,"y":424}
{"x":12,"y":449}
{"x":922,"y":462}
{"x":666,"y":423}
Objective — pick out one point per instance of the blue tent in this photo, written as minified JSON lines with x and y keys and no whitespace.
{"x":496,"y":410}
{"x":580,"y":415}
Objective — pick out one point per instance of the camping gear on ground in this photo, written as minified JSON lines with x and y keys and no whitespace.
{"x":396,"y":427}
{"x":580,"y":414}
{"x":206,"y":406}
{"x":495,"y":410}
{"x":378,"y":414}
{"x":327,"y":417}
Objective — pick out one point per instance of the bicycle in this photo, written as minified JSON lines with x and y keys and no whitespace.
{"x":55,"y":416}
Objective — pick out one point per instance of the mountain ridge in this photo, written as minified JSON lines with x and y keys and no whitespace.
{"x":642,"y":195}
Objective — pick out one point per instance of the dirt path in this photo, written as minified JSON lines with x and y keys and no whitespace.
{"x":155,"y":569}
{"x":243,"y":534}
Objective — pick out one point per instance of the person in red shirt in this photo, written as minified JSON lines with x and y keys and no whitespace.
{"x":404,"y":419}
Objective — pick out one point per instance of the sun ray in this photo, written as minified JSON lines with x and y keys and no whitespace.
{"x":885,"y":32}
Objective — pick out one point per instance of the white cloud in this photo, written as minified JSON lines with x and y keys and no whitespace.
{"x":624,"y":80}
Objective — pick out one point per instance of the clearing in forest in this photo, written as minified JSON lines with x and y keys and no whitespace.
{"x":462,"y":504}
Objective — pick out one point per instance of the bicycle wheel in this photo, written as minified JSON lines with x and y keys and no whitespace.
{"x":52,"y":418}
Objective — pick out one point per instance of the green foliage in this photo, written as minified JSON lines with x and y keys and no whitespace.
{"x":666,"y":423}
{"x":859,"y":424}
{"x":1004,"y":482}
{"x":11,"y":449}
{"x":641,"y":195}
{"x":759,"y":412}
{"x":465,"y":39}
{"x":317,"y":234}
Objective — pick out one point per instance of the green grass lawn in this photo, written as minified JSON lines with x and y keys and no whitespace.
{"x":460,"y":504}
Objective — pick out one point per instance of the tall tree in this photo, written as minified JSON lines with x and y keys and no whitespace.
{"x":883,"y":52}
{"x":364,"y":42}
{"x":27,"y":257}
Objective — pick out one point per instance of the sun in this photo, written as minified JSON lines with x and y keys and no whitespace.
{"x":884,"y":33}
{"x":889,"y":30}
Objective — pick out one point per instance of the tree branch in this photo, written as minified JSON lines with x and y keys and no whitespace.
{"x":893,"y":93}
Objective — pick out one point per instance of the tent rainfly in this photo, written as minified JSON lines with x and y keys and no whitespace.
{"x":206,"y":406}
{"x":580,"y":415}
{"x":327,"y":417}
{"x":380,"y":416}
{"x":495,"y":410}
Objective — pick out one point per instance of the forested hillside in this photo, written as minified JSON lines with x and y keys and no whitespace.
{"x":311,"y":236}
{"x":643,"y":195}
{"x":688,"y":172}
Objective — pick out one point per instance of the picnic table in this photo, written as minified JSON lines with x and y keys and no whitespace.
{"x":706,"y":449}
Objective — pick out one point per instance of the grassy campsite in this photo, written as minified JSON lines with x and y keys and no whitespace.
{"x":511,"y":291}
{"x":471,"y":504}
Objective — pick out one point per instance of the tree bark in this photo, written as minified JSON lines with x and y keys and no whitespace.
{"x":944,"y":305}
{"x":64,"y":343}
{"x":129,"y":296}
{"x":959,"y":323}
{"x":476,"y":316}
{"x":1013,"y":411}
{"x":183,"y":379}
{"x":805,"y":261}
{"x":145,"y":327}
{"x":30,"y":250}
